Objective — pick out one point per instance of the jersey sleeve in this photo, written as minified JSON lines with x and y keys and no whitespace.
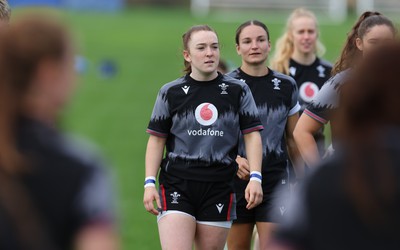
{"x":248,"y":114}
{"x":294,"y":105}
{"x":326,"y":101}
{"x":94,"y":203}
{"x":160,"y":121}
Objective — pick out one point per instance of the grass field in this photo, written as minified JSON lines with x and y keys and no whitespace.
{"x":113,"y":113}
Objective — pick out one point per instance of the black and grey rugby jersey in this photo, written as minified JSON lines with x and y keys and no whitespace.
{"x":276,"y":98}
{"x":309,"y":78}
{"x":202,"y":122}
{"x":67,"y":187}
{"x":327,"y":100}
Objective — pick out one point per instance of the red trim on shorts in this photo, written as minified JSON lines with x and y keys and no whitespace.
{"x":164,"y":208}
{"x":228,"y":217}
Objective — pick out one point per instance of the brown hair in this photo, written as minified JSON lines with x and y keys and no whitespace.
{"x":186,"y":38}
{"x":248,"y":23}
{"x":350,"y":53}
{"x":5,"y":10}
{"x":23,"y":46}
{"x":369,"y":108}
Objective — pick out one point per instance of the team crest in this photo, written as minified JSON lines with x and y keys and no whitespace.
{"x":321,"y":71}
{"x":175,"y":196}
{"x":276,"y":82}
{"x":223,"y":87}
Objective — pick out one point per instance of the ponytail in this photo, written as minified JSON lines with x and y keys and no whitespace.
{"x":350,"y":52}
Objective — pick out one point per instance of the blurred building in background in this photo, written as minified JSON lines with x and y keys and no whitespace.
{"x":101,"y":5}
{"x":336,"y":9}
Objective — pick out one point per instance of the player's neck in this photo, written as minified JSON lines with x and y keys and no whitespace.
{"x":304,"y":58}
{"x":203,"y":77}
{"x":254,"y":70}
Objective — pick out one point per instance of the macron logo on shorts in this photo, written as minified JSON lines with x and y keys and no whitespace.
{"x":206,"y":114}
{"x":219,"y":207}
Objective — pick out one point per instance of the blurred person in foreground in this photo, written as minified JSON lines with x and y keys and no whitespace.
{"x":352,"y":201}
{"x":53,"y":193}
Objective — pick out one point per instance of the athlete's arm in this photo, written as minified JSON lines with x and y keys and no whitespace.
{"x":293,"y":151}
{"x":253,"y":192}
{"x":304,"y":137}
{"x":154,"y":155}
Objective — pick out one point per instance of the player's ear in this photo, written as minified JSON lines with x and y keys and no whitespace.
{"x":238,"y":49}
{"x":359,"y":44}
{"x":186,"y":56}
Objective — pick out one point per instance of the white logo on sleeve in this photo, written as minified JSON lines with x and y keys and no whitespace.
{"x":185,"y":89}
{"x":206,"y":114}
{"x":308,"y":91}
{"x":219,"y":207}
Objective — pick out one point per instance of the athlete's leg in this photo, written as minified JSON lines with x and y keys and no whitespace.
{"x":210,"y":237}
{"x":239,"y":237}
{"x":177,"y":231}
{"x":265,"y":231}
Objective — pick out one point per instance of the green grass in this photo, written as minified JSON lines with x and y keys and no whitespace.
{"x":113,"y":113}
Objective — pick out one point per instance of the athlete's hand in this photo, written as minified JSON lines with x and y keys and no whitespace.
{"x":244,"y":168}
{"x":253,"y":194}
{"x":151,"y":195}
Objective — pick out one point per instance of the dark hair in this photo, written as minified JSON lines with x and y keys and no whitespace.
{"x":369,"y":108}
{"x":248,"y":23}
{"x":350,"y":53}
{"x":222,"y":66}
{"x":23,"y":46}
{"x":186,"y":38}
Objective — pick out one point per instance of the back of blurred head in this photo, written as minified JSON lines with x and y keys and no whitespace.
{"x":369,"y":125}
{"x":36,"y":69}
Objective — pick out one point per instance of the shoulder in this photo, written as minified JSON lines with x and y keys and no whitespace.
{"x":325,"y":63}
{"x":172,"y":84}
{"x":228,"y":78}
{"x":235,"y":73}
{"x":338,"y":79}
{"x":283,"y":77}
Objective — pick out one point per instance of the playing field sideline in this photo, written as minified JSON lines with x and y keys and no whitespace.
{"x":146,"y":47}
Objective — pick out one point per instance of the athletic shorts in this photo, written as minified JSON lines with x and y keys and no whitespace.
{"x":276,"y":192}
{"x":205,"y":201}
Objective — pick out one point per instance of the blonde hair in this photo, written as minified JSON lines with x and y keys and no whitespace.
{"x":284,"y":45}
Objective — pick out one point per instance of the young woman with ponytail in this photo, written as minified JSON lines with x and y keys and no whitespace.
{"x":298,"y":54}
{"x":372,"y":29}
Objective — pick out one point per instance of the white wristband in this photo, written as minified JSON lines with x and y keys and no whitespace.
{"x":150,"y":181}
{"x":256,"y":176}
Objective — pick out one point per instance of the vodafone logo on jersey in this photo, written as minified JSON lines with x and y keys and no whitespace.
{"x":308,"y":91}
{"x":206,"y":114}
